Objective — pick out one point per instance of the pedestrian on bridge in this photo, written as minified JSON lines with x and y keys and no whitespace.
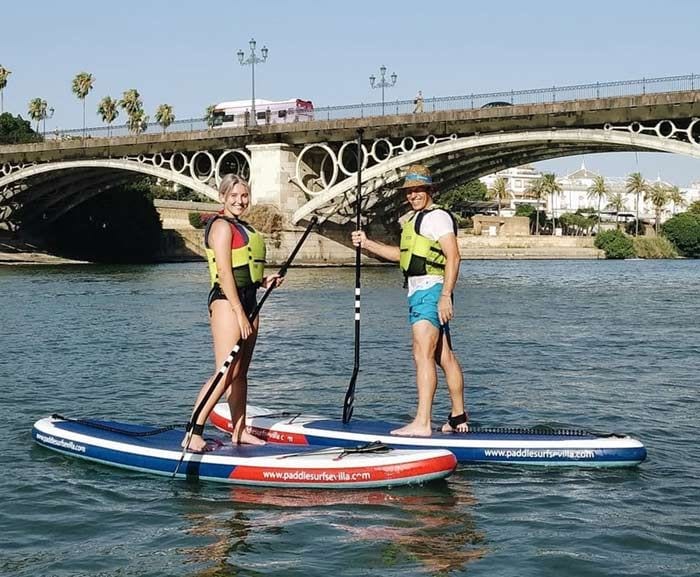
{"x":418,"y":102}
{"x":236,"y":256}
{"x":429,"y":258}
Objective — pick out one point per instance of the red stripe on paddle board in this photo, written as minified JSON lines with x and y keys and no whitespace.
{"x":348,"y":476}
{"x":222,"y":423}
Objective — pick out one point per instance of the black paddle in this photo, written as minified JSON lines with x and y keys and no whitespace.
{"x":232,"y":355}
{"x":350,"y":395}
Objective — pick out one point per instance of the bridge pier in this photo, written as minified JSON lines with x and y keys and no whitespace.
{"x":273,"y":166}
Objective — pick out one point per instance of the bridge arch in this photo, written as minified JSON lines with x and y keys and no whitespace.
{"x":112,"y":164}
{"x":44,"y":185}
{"x":474,"y":156}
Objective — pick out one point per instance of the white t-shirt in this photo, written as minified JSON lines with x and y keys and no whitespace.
{"x":435,"y":224}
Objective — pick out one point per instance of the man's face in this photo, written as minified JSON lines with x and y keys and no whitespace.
{"x":419,"y":197}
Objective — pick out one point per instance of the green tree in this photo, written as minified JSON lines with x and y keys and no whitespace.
{"x":38,"y":110}
{"x":694,"y":208}
{"x":616,"y":202}
{"x":138,"y":121}
{"x":598,"y":191}
{"x":108,"y":111}
{"x":82,"y":85}
{"x":4,"y":74}
{"x":537,"y":191}
{"x":637,"y":186}
{"x":453,"y":198}
{"x":657,"y":193}
{"x":551,"y":187}
{"x":683,"y":230}
{"x":676,"y":197}
{"x":165,"y":116}
{"x":615,"y":243}
{"x":132,"y":104}
{"x":499,"y":191}
{"x":131,"y":101}
{"x":16,"y":130}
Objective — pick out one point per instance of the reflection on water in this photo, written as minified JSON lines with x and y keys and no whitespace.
{"x":428,"y":527}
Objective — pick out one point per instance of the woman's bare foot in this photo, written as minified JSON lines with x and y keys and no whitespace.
{"x":246,"y":438}
{"x":413,"y":430}
{"x":196,"y":445}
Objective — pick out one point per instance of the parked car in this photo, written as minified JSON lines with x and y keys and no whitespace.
{"x":496,"y":104}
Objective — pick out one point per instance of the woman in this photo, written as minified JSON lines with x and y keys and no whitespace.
{"x":236,"y":255}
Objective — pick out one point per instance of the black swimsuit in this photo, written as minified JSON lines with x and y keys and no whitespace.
{"x":247,"y":296}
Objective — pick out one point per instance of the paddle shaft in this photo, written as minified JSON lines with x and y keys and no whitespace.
{"x":350,"y":394}
{"x":232,"y":355}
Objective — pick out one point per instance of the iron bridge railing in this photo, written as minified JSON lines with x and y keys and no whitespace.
{"x":438,"y":103}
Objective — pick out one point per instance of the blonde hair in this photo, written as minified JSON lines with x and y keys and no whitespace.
{"x":228,"y":182}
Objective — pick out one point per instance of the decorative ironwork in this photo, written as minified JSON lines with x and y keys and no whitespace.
{"x":664,"y":129}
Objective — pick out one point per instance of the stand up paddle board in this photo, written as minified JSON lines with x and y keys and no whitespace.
{"x":158,"y":451}
{"x":522,"y":446}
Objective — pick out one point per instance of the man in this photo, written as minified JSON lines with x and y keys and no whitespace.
{"x":429,"y":258}
{"x":418,"y":102}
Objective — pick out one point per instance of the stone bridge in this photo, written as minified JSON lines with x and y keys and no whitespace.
{"x":311,"y":167}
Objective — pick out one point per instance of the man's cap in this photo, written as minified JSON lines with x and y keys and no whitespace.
{"x":417,"y":175}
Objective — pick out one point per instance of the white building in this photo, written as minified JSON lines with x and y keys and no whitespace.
{"x":575,"y":193}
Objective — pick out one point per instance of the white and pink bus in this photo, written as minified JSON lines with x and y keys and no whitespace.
{"x":235,"y":112}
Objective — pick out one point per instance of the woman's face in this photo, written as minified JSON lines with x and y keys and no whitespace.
{"x":236,"y":200}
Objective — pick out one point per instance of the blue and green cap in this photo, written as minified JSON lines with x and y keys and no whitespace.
{"x":417,"y":175}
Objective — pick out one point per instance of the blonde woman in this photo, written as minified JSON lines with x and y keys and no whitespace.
{"x":236,"y":256}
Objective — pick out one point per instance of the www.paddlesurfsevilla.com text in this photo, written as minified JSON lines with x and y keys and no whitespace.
{"x":51,"y":440}
{"x":541,"y":453}
{"x":324,"y":476}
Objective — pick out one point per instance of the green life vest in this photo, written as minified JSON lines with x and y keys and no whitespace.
{"x":421,"y":255}
{"x":247,"y":253}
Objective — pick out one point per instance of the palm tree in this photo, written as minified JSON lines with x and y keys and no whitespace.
{"x":108,"y":112}
{"x":165,"y":116}
{"x":131,"y":101}
{"x":536,"y":190}
{"x":657,"y":193}
{"x":598,"y":190}
{"x":499,"y":191}
{"x":132,"y":104}
{"x":37,"y":110}
{"x":209,"y":115}
{"x":82,"y":85}
{"x":616,"y":202}
{"x":138,"y":121}
{"x":636,"y":185}
{"x":4,"y":73}
{"x":552,"y":187}
{"x":676,"y":197}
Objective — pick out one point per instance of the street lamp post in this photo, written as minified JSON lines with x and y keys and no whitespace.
{"x":253,"y":59}
{"x":383,"y":82}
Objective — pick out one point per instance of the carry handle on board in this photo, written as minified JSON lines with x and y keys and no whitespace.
{"x":232,"y":355}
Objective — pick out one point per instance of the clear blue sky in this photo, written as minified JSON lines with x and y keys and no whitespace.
{"x":184,"y":53}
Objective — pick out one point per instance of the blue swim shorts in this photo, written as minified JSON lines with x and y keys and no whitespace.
{"x":423,"y":306}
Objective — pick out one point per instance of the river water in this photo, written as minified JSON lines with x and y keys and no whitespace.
{"x":598,"y":344}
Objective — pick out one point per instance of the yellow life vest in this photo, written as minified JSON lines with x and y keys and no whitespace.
{"x":247,"y":253}
{"x":421,"y":255}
